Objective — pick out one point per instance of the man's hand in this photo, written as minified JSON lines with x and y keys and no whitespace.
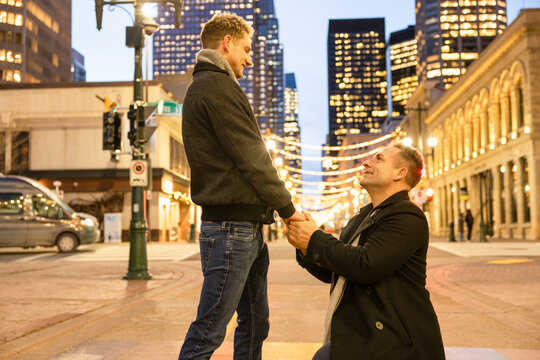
{"x":297,"y":216}
{"x":300,"y":232}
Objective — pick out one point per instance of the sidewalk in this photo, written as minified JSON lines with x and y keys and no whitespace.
{"x":78,"y":303}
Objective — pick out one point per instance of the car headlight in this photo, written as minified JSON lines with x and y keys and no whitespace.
{"x":88,"y":222}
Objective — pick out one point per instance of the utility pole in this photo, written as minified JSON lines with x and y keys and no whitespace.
{"x":139,"y":133}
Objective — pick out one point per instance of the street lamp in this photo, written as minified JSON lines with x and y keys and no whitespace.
{"x":135,"y":37}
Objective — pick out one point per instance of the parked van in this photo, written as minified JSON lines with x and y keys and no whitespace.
{"x":33,"y":215}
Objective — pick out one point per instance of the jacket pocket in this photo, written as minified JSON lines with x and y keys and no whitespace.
{"x":399,"y":327}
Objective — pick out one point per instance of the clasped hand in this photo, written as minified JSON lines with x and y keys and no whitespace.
{"x":299,"y":230}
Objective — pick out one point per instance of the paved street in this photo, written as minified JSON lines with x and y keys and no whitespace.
{"x":76,"y":306}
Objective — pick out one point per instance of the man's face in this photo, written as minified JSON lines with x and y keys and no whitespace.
{"x":381,"y":170}
{"x":238,"y":55}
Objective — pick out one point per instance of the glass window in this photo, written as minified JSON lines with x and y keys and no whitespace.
{"x":178,"y":159}
{"x":11,"y":203}
{"x":502,"y":170}
{"x":526,"y":189}
{"x":45,"y":207}
{"x":513,"y":191}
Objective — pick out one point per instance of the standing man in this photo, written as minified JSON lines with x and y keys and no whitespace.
{"x":235,"y":183}
{"x":379,"y":307}
{"x":469,"y":219}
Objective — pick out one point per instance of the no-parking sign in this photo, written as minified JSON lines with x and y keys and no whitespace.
{"x":138,"y":173}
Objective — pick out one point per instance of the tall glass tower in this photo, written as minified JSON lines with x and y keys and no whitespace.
{"x":291,"y":129}
{"x":452,"y":33}
{"x":175,"y":51}
{"x":403,"y":59}
{"x":356,"y":77}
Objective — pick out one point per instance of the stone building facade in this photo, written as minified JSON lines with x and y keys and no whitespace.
{"x":486,"y":156}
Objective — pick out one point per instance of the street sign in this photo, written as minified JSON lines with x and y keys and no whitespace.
{"x":165,"y":107}
{"x":138,"y":173}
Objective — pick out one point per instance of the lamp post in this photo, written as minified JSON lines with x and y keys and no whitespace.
{"x":139,"y":134}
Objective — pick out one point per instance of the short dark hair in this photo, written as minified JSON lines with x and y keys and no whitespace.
{"x":221,"y":25}
{"x":413,"y":161}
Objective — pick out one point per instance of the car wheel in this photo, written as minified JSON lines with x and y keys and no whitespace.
{"x":66,"y":243}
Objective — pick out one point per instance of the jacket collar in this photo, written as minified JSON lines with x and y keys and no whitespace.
{"x":369,"y":211}
{"x":206,"y":66}
{"x":399,"y":196}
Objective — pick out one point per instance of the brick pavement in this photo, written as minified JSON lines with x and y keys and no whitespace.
{"x":89,"y":299}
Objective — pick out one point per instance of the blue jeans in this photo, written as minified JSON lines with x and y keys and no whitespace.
{"x":234,"y":261}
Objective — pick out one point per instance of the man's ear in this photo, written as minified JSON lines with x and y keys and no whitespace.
{"x":400,"y":174}
{"x":226,"y":42}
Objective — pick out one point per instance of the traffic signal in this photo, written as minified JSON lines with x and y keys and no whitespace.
{"x":132,"y":116}
{"x":112,"y":131}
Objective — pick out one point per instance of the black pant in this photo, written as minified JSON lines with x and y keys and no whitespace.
{"x":469,"y":232}
{"x":323,"y":353}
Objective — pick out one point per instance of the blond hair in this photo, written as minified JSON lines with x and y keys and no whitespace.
{"x":413,"y":161}
{"x":221,"y":25}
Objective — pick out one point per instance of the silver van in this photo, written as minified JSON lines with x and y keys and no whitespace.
{"x":33,"y":215}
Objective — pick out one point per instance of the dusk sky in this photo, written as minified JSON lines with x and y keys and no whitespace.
{"x":303,"y":26}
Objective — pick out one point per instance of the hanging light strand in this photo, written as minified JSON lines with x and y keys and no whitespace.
{"x":393,"y":134}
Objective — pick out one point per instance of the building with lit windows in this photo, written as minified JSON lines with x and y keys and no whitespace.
{"x":35,"y":41}
{"x":356,"y":77}
{"x":484,"y":137}
{"x":291,"y":130}
{"x":175,"y":51}
{"x":78,"y":72}
{"x":403,"y":59}
{"x":452,"y":33}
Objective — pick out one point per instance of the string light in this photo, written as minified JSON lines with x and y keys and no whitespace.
{"x":326,"y":158}
{"x":393,"y":134}
{"x":325,"y":183}
{"x":323,"y":173}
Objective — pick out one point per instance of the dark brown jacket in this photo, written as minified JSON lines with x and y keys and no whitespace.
{"x":385,"y":312}
{"x":232,"y":176}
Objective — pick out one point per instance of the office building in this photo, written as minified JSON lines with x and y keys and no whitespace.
{"x":78,"y":71}
{"x":175,"y":51}
{"x":291,"y":129}
{"x":35,"y":41}
{"x":403,"y":55}
{"x":451,"y":34}
{"x":356,"y":77}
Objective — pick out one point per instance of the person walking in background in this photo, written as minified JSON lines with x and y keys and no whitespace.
{"x":469,"y":219}
{"x":379,"y":306}
{"x":461,"y":227}
{"x":238,"y":189}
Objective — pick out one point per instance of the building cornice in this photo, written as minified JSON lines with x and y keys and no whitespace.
{"x":488,"y":60}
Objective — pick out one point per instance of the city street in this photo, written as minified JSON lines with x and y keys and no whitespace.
{"x":76,"y":306}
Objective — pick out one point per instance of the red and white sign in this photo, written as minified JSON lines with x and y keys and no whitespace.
{"x":138,"y":173}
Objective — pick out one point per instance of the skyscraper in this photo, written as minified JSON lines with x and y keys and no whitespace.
{"x":175,"y":50}
{"x":403,"y":59}
{"x":356,"y":77}
{"x":451,"y":34}
{"x":78,"y":70}
{"x":35,"y":41}
{"x":291,"y":129}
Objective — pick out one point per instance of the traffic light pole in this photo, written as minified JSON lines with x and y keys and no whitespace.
{"x":138,"y":229}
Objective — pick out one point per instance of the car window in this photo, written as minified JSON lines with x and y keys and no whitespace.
{"x":45,"y":207}
{"x":11,"y":203}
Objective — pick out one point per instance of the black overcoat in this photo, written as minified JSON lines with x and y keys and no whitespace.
{"x":385,"y":312}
